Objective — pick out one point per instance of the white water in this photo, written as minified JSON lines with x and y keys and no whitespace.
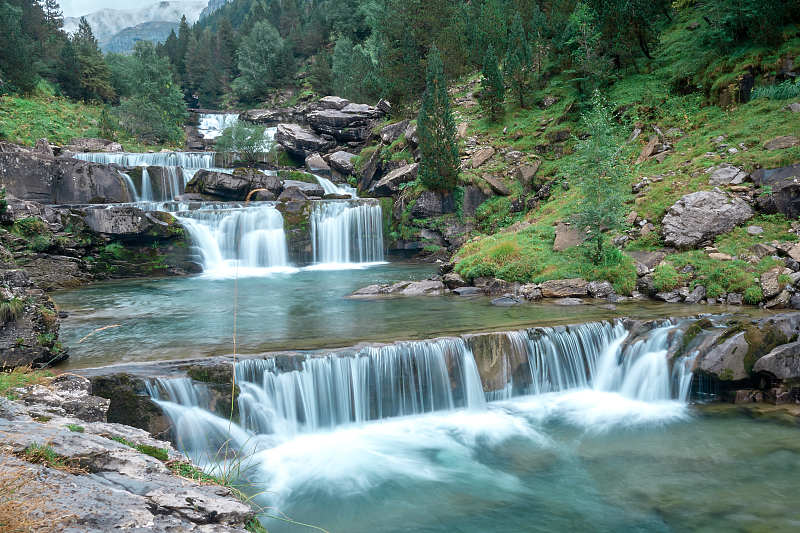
{"x":212,"y":125}
{"x":347,"y":233}
{"x":130,"y":186}
{"x":331,"y":188}
{"x":187,"y":160}
{"x":238,"y":241}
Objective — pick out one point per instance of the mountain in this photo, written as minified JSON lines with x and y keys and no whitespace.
{"x":108,"y":23}
{"x":213,"y":5}
{"x":123,"y":42}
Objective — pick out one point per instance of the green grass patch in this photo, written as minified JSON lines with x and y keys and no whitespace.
{"x":158,"y":453}
{"x":20,"y":377}
{"x":45,"y":455}
{"x":75,"y":428}
{"x":11,"y":310}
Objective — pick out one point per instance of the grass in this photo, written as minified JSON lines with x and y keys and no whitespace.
{"x":11,"y":310}
{"x":45,"y":455}
{"x":157,"y":453}
{"x":75,"y":428}
{"x":23,"y":506}
{"x":780,"y":91}
{"x":25,"y":119}
{"x":21,"y":377}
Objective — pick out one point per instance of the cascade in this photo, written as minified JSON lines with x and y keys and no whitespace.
{"x":147,"y":187}
{"x":211,"y":125}
{"x":189,"y":160}
{"x":347,"y":232}
{"x":227,"y":238}
{"x":331,"y":188}
{"x":130,"y":186}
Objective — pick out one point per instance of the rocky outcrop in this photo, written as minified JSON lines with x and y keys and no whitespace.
{"x":781,"y":190}
{"x":317,"y":165}
{"x":700,"y":216}
{"x":28,"y":323}
{"x":352,"y":123}
{"x":127,"y":222}
{"x":726,"y":175}
{"x":103,"y":476}
{"x":234,"y":186}
{"x":301,"y":142}
{"x":433,"y":204}
{"x":782,"y":363}
{"x":390,"y":184}
{"x":49,"y":180}
{"x":563,"y":288}
{"x":273,"y":117}
{"x":342,"y":162}
{"x":83,"y":144}
{"x":428,"y":287}
{"x":392,"y":132}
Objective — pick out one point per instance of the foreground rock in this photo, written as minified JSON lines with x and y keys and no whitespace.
{"x":234,"y":186}
{"x":698,"y":217}
{"x":99,"y":484}
{"x":301,"y":142}
{"x":428,"y":287}
{"x":784,"y":190}
{"x":127,"y":222}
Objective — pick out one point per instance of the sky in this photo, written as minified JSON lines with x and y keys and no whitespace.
{"x":77,"y":8}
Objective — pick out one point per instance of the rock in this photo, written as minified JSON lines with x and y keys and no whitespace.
{"x":461,"y":130}
{"x":794,"y":107}
{"x":727,"y":175}
{"x":495,"y":286}
{"x":560,"y":288}
{"x":531,"y":291}
{"x":384,"y":106}
{"x":781,"y":143}
{"x":412,"y":137}
{"x":755,"y":230}
{"x":648,"y":150}
{"x":83,"y":144}
{"x":299,"y":141}
{"x":482,"y":156}
{"x":43,"y":147}
{"x":433,"y":204}
{"x":699,"y":293}
{"x":473,"y":198}
{"x":783,"y":362}
{"x":453,"y":281}
{"x":497,"y":186}
{"x":770,"y":286}
{"x":128,"y":222}
{"x":332,"y":102}
{"x":468,"y":291}
{"x":600,"y":289}
{"x":316,"y":165}
{"x":781,"y":301}
{"x":671,"y":297}
{"x":726,"y":360}
{"x":309,"y":189}
{"x":365,"y":182}
{"x":648,"y":260}
{"x":526,"y":174}
{"x":735,"y":299}
{"x":761,"y":251}
{"x":428,"y":287}
{"x":784,"y":186}
{"x":392,"y":132}
{"x":507,"y":300}
{"x":568,"y":301}
{"x":567,"y":237}
{"x":720,"y":256}
{"x":390,"y":183}
{"x":292,"y":194}
{"x":48,"y":180}
{"x":220,"y":184}
{"x":352,"y":123}
{"x":342,"y":162}
{"x":699,"y":217}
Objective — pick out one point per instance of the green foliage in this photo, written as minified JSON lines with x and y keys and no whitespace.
{"x":493,"y":89}
{"x":244,"y":140}
{"x":94,"y":76}
{"x":780,"y":91}
{"x":19,"y":68}
{"x":439,"y":159}
{"x":590,"y":64}
{"x":155,"y":111}
{"x":753,"y":295}
{"x":11,"y":310}
{"x":601,"y":174}
{"x":75,"y":428}
{"x":158,"y":453}
{"x":519,"y":61}
{"x":3,"y":202}
{"x":666,"y":278}
{"x":20,"y":377}
{"x":354,"y":72}
{"x":263,"y":61}
{"x":45,"y":455}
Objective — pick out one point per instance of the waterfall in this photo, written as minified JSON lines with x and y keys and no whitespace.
{"x":229,"y":238}
{"x":147,"y":187}
{"x":130,"y":186}
{"x":192,"y":160}
{"x":331,"y":188}
{"x":347,"y":232}
{"x":211,"y":125}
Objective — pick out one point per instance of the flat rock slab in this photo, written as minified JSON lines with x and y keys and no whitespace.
{"x":700,"y":216}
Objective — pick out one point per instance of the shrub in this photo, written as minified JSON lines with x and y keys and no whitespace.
{"x":11,"y":310}
{"x":245,"y":141}
{"x":780,"y":91}
{"x":753,"y":295}
{"x":666,"y":278}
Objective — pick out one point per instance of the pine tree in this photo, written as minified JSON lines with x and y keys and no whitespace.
{"x":493,"y":89}
{"x":518,"y":60}
{"x":591,"y":66}
{"x":53,"y":16}
{"x":439,"y":161}
{"x":95,"y":76}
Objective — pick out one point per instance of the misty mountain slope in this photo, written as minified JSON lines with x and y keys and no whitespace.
{"x":107,"y":23}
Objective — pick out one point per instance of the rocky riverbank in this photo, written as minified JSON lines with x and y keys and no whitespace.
{"x":64,"y":466}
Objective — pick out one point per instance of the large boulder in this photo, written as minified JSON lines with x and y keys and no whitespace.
{"x":301,"y":142}
{"x":784,"y":187}
{"x":390,"y":184}
{"x":473,"y":198}
{"x":332,"y":102}
{"x":392,"y":132}
{"x":783,"y":362}
{"x":433,"y":204}
{"x":352,"y":123}
{"x":49,"y":180}
{"x":272,"y":117}
{"x":567,"y":237}
{"x":219,"y":184}
{"x":563,"y":288}
{"x":727,"y":359}
{"x":700,"y":216}
{"x":128,"y":222}
{"x":83,"y":144}
{"x":317,"y":165}
{"x":726,"y":175}
{"x":342,"y":162}
{"x":428,"y":287}
{"x":309,"y":189}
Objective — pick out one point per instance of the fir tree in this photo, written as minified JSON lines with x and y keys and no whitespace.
{"x":53,"y":16}
{"x":518,"y":60}
{"x":602,"y":175}
{"x":95,"y":76}
{"x":493,"y":90}
{"x":439,"y":161}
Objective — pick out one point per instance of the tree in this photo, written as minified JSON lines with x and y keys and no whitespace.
{"x":517,"y":68}
{"x":53,"y":16}
{"x":601,"y":173}
{"x":493,"y":26}
{"x":262,"y":62}
{"x":439,"y":161}
{"x":493,"y":89}
{"x":245,"y":141}
{"x":353,"y":71}
{"x":590,"y":64}
{"x":19,"y":68}
{"x":155,"y":111}
{"x":95,"y":76}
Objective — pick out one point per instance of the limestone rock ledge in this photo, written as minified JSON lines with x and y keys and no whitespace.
{"x":102,"y":485}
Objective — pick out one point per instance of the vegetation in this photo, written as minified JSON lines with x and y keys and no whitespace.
{"x":75,"y":428}
{"x":45,"y":455}
{"x":11,"y":310}
{"x":247,"y":142}
{"x":20,"y":377}
{"x":158,"y":453}
{"x":493,"y":89}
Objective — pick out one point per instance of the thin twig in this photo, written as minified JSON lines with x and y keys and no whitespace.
{"x":98,"y":330}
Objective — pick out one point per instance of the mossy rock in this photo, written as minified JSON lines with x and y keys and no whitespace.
{"x":296,"y":175}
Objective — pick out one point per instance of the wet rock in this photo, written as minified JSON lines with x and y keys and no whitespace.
{"x":493,"y":286}
{"x":568,"y":301}
{"x":531,"y":291}
{"x":83,"y":144}
{"x":600,"y":289}
{"x":726,"y":360}
{"x":727,"y":175}
{"x":735,"y":299}
{"x":784,"y":187}
{"x":499,"y":361}
{"x":453,"y":280}
{"x":128,"y":222}
{"x":781,"y":143}
{"x":301,"y":142}
{"x":783,"y":362}
{"x":698,"y":294}
{"x":392,"y":132}
{"x":429,"y":287}
{"x":468,"y":291}
{"x":219,"y":184}
{"x":316,"y":165}
{"x":342,"y":162}
{"x":507,"y":300}
{"x":390,"y":184}
{"x":671,"y":297}
{"x":293,"y":194}
{"x":770,"y":286}
{"x":561,"y":288}
{"x":567,"y":237}
{"x":129,"y":403}
{"x":309,"y":189}
{"x":699,"y":217}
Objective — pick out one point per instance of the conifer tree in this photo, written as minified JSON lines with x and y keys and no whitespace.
{"x":518,"y":60}
{"x":95,"y":76}
{"x":439,"y":161}
{"x":493,"y":90}
{"x":53,"y":16}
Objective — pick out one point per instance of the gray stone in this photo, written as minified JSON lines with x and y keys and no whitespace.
{"x":392,"y":132}
{"x":43,"y":147}
{"x":671,"y":297}
{"x":526,"y":174}
{"x":428,"y":287}
{"x":352,"y":123}
{"x":531,"y":291}
{"x":727,"y":175}
{"x":600,"y":289}
{"x":561,"y":288}
{"x":390,"y":184}
{"x":482,"y":156}
{"x":468,"y":291}
{"x":699,"y":217}
{"x":453,"y":280}
{"x":568,"y":301}
{"x":333,"y":102}
{"x":411,"y":134}
{"x":273,"y":117}
{"x":309,"y":189}
{"x":496,"y":185}
{"x":433,"y":204}
{"x":316,"y":165}
{"x":696,"y":295}
{"x":782,"y":143}
{"x":735,"y":298}
{"x":755,"y":230}
{"x":83,"y":144}
{"x":770,"y":286}
{"x":342,"y":162}
{"x":783,"y":362}
{"x":219,"y":184}
{"x":726,"y":360}
{"x":567,"y":237}
{"x":473,"y":198}
{"x":299,"y":141}
{"x":293,"y":194}
{"x":784,"y":187}
{"x":507,"y":300}
{"x":128,"y":222}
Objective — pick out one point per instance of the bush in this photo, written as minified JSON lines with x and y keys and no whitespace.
{"x":781,"y":91}
{"x":666,"y":278}
{"x":247,"y":142}
{"x":753,"y":295}
{"x":11,"y":310}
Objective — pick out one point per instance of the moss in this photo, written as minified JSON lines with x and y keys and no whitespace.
{"x":761,"y":341}
{"x":296,"y":175}
{"x":692,"y":332}
{"x":75,"y":428}
{"x":157,"y":453}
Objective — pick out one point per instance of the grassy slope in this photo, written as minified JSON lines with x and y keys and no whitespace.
{"x":526,"y":254}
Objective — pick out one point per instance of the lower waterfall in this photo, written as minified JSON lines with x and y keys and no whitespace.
{"x":347,"y":232}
